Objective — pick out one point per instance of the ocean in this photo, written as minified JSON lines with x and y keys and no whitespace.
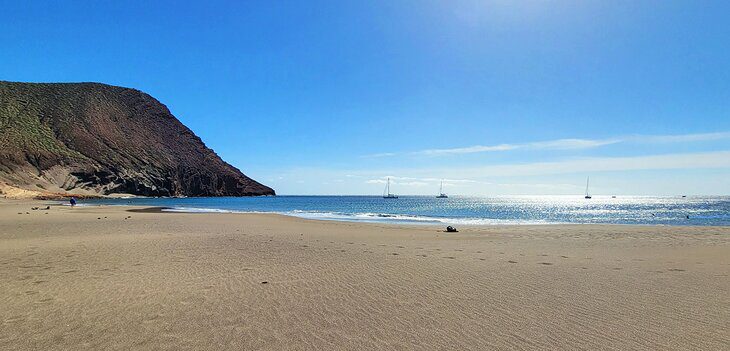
{"x":464,"y":210}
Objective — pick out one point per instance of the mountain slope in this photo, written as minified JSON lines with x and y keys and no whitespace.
{"x":90,"y":138}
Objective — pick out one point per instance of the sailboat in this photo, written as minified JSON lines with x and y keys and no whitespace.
{"x":441,"y":192}
{"x":386,"y":193}
{"x":588,"y":195}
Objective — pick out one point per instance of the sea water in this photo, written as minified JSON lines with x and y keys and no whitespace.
{"x":466,"y":210}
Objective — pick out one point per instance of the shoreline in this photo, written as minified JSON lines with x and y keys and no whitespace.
{"x":415,"y":224}
{"x":101,"y":277}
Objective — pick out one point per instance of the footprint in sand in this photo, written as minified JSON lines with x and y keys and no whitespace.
{"x":421,"y":255}
{"x":617,"y":268}
{"x":675,"y":270}
{"x":510,"y":261}
{"x":394,"y":253}
{"x":450,"y":257}
{"x":482,"y":259}
{"x":546,"y":263}
{"x":564,"y":257}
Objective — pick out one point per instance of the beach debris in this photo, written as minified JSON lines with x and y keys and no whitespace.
{"x":264,"y":282}
{"x":451,"y":229}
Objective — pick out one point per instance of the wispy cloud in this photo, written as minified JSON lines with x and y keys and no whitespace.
{"x":375,"y":181}
{"x":419,"y":181}
{"x":682,"y":138}
{"x":383,"y":154}
{"x":560,"y":144}
{"x":564,"y":144}
{"x":702,"y":160}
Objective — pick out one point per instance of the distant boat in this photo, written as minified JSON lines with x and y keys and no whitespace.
{"x":441,"y":192}
{"x":588,"y":195}
{"x":613,"y":197}
{"x":386,"y":193}
{"x":684,"y":195}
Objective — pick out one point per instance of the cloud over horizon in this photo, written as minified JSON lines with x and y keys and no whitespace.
{"x":562,"y":144}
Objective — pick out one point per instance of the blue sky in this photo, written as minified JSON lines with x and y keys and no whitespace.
{"x":496,"y":97}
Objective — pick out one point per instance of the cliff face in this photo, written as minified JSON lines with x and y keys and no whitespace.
{"x":90,"y":138}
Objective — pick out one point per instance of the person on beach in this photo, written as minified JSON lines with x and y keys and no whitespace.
{"x":73,"y":201}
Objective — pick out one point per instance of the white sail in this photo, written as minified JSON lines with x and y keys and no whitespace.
{"x":441,"y":194}
{"x":386,"y":193}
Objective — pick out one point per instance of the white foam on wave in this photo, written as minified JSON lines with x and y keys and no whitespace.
{"x":410,"y":219}
{"x":206,"y":210}
{"x":371,"y":217}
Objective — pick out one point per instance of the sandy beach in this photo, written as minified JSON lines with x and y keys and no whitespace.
{"x":107,"y":278}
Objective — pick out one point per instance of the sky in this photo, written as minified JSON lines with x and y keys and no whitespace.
{"x":492,"y":97}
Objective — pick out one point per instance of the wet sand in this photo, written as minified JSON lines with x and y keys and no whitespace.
{"x":107,"y":278}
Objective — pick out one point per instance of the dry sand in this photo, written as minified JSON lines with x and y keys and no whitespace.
{"x":92,"y":278}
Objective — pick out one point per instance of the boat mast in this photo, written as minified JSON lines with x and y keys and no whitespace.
{"x":587,"y":181}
